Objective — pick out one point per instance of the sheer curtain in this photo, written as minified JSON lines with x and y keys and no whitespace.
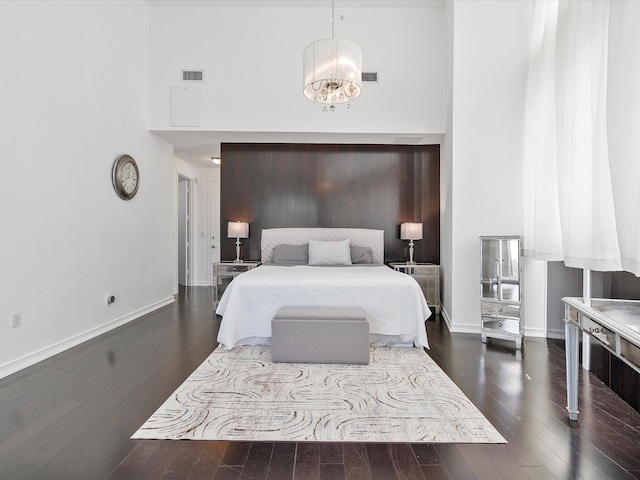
{"x":623,"y":112}
{"x":582,"y":135}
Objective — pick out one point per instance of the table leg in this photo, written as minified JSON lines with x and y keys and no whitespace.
{"x":571,"y":352}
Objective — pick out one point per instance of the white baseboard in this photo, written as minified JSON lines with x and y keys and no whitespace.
{"x":528,"y":332}
{"x":445,"y":315}
{"x":458,"y":328}
{"x":33,"y":358}
{"x":535,"y":332}
{"x":202,"y":284}
{"x":465,"y":329}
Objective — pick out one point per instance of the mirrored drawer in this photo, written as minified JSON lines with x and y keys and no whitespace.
{"x":501,"y":325}
{"x":500,"y":309}
{"x":228,"y":268}
{"x":600,"y":333}
{"x":630,"y":352}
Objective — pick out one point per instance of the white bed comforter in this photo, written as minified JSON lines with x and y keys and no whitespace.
{"x":394,"y":302}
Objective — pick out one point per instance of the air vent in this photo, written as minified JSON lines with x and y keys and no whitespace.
{"x":192,"y":75}
{"x":370,"y":77}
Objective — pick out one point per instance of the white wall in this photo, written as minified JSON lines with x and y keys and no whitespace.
{"x":446,"y":173}
{"x":75,"y":96}
{"x":490,"y":52}
{"x":252,"y":58}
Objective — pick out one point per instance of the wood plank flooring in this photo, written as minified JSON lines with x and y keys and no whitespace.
{"x":70,"y":417}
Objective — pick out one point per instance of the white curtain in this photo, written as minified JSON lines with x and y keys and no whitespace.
{"x":623,"y":127}
{"x":582,"y":135}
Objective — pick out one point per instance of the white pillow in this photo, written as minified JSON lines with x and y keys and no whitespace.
{"x":330,"y":252}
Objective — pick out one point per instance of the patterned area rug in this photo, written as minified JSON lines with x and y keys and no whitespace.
{"x":402,"y":396}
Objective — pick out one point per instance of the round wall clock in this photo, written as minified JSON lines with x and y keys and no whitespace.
{"x":125,"y":177}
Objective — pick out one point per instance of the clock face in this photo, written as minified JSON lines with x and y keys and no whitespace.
{"x":129,"y":178}
{"x":125,"y":177}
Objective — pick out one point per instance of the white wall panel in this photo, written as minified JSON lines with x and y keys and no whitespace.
{"x":253,"y":63}
{"x":490,"y":52}
{"x":75,"y":97}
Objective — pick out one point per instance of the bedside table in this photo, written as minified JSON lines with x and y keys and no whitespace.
{"x":224,"y":273}
{"x":428,"y":277}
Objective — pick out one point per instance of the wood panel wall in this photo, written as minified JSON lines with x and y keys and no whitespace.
{"x":624,"y":285}
{"x":308,"y":185}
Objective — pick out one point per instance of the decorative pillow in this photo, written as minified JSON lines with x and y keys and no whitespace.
{"x":361,"y":255}
{"x":286,"y":254}
{"x":330,"y":252}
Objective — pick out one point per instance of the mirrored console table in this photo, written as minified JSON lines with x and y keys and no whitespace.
{"x":615,"y":324}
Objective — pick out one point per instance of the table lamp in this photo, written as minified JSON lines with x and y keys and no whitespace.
{"x":238,"y":230}
{"x":411,"y":231}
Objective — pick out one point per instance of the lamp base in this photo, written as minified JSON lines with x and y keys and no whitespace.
{"x":411,"y":262}
{"x":238,"y":259}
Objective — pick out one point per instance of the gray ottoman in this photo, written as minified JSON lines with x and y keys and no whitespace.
{"x":320,"y":335}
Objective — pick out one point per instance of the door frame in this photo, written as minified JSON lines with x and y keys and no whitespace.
{"x":214,"y":190}
{"x":190,"y":229}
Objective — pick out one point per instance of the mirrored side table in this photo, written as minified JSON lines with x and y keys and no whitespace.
{"x":224,"y":273}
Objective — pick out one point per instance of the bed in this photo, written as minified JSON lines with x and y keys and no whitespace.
{"x":394,"y":302}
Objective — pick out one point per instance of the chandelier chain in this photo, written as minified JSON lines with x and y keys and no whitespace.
{"x":333,"y":6}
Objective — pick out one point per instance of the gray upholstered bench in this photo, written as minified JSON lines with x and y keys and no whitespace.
{"x":320,"y":335}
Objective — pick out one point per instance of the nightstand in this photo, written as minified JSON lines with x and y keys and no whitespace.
{"x":428,"y":277}
{"x":224,"y":273}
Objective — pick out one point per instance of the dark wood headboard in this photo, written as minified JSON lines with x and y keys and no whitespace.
{"x":347,"y":186}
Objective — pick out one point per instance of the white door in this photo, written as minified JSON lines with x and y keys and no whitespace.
{"x":214,"y":191}
{"x":184,"y":231}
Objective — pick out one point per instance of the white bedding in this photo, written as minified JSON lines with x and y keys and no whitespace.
{"x":394,"y":302}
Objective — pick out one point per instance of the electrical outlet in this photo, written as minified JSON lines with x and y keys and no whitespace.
{"x":16,"y":319}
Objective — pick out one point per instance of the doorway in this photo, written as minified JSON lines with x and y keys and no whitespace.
{"x":214,"y":222}
{"x":184,"y":231}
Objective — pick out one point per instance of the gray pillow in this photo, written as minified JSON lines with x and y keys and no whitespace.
{"x":286,"y":254}
{"x":361,"y":255}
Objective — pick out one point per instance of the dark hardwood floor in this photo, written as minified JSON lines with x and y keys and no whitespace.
{"x":71,"y":416}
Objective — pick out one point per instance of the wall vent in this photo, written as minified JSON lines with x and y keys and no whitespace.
{"x":192,"y":75}
{"x":370,"y":77}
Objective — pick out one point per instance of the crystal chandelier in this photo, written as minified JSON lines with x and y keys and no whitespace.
{"x":332,"y":70}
